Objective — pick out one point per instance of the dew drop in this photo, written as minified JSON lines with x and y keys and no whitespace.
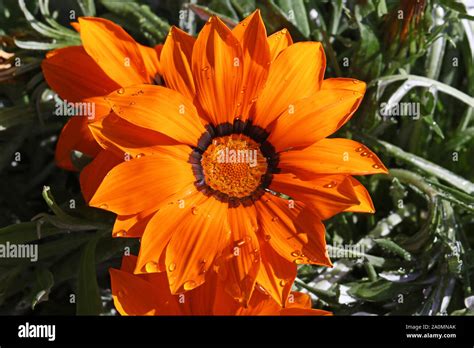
{"x":275,"y":218}
{"x":365,"y":153}
{"x":359,"y":149}
{"x":296,"y":253}
{"x":140,"y":155}
{"x":121,"y":233}
{"x":298,"y":261}
{"x":172,"y":267}
{"x":121,"y":293}
{"x":195,"y":210}
{"x":121,"y":91}
{"x":206,"y":68}
{"x":331,"y":184}
{"x":151,"y":267}
{"x":376,"y":166}
{"x":189,"y":285}
{"x":103,"y":206}
{"x":267,"y":237}
{"x":282,"y":282}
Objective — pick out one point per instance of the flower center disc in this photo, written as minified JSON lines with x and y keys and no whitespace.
{"x":234,"y":165}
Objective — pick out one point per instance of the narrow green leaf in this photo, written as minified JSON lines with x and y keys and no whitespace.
{"x":88,"y":293}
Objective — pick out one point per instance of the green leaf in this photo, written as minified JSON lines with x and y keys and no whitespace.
{"x":87,"y":7}
{"x":244,"y":7}
{"x":295,"y":12}
{"x":434,"y":126}
{"x":42,"y":287}
{"x":26,"y":232}
{"x":379,"y":290}
{"x":88,"y":293}
{"x":15,"y":115}
{"x":393,"y":247}
{"x":152,"y":26}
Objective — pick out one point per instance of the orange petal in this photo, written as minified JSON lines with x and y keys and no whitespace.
{"x":276,"y":274}
{"x":344,"y":83}
{"x":93,"y":174}
{"x":332,"y":156}
{"x":150,"y":58}
{"x":326,"y":195}
{"x":314,"y":118}
{"x":365,"y":205}
{"x":116,"y":52}
{"x":293,"y":230}
{"x":132,"y":295}
{"x":143,"y":183}
{"x":261,"y":304}
{"x":132,"y":226}
{"x":160,"y":229}
{"x":196,"y":242}
{"x":253,"y":37}
{"x":296,"y":73}
{"x":176,"y":60}
{"x":160,"y":109}
{"x":64,"y":70}
{"x":217,"y":65}
{"x":124,"y":138}
{"x":75,"y":136}
{"x":238,"y":265}
{"x":278,"y":42}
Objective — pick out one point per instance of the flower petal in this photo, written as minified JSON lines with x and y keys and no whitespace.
{"x":176,"y":61}
{"x":238,"y":265}
{"x":116,"y":52}
{"x":296,"y":73}
{"x":311,"y":119}
{"x":126,"y":287}
{"x":196,"y":242}
{"x":253,"y":37}
{"x":217,"y":66}
{"x":122,"y":137}
{"x":331,"y":156}
{"x":276,"y":274}
{"x":132,"y":226}
{"x":64,"y":69}
{"x":293,"y":230}
{"x":278,"y":42}
{"x":144,"y":183}
{"x":151,"y":60}
{"x":160,"y":109}
{"x":365,"y":205}
{"x":75,"y":135}
{"x":326,"y":195}
{"x":93,"y":174}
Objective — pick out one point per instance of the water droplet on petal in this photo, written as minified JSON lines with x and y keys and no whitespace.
{"x":359,"y":149}
{"x":140,"y":155}
{"x":151,"y":267}
{"x":296,"y":253}
{"x":189,"y":285}
{"x":376,"y":166}
{"x":121,"y":233}
{"x":282,"y":282}
{"x":275,"y":218}
{"x":331,"y":184}
{"x":172,"y":267}
{"x":121,"y":91}
{"x":195,"y":210}
{"x":103,"y":206}
{"x":267,"y":237}
{"x":206,"y":68}
{"x":298,"y":261}
{"x":121,"y":293}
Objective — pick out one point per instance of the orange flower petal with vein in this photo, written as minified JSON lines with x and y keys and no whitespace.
{"x":149,"y":294}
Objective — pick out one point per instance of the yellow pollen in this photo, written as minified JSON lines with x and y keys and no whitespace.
{"x":234,"y":165}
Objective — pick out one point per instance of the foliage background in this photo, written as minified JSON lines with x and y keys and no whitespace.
{"x":418,"y":256}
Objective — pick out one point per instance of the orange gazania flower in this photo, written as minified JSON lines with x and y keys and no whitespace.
{"x":201,"y":207}
{"x":149,"y":294}
{"x":108,"y":59}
